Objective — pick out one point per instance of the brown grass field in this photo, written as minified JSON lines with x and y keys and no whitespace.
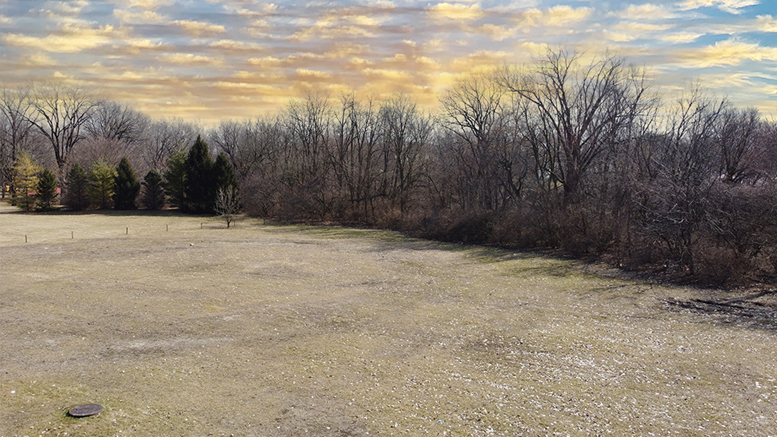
{"x":264,"y":330}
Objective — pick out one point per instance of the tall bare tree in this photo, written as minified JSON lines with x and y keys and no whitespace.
{"x":574,"y":112}
{"x":163,"y":139}
{"x":407,"y":136}
{"x":474,"y":112}
{"x":61,"y":114}
{"x":15,"y":130}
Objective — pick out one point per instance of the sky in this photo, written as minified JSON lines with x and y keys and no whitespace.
{"x":210,"y":60}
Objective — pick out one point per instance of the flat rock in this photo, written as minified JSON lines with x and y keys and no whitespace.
{"x":85,"y":410}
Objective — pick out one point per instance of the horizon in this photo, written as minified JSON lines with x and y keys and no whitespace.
{"x":211,"y":60}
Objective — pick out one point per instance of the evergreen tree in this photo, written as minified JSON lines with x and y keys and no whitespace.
{"x":200,"y":190}
{"x":175,"y":180}
{"x":25,"y":181}
{"x":126,"y":186}
{"x":153,"y":192}
{"x":77,"y":190}
{"x":223,"y":175}
{"x":101,"y":187}
{"x":47,"y":190}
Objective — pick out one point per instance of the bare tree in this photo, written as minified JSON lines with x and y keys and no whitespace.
{"x":163,"y":139}
{"x":227,"y":204}
{"x":116,"y":122}
{"x":61,"y":114}
{"x":406,"y":137}
{"x":737,"y":136}
{"x":16,"y":132}
{"x":306,"y":167}
{"x":353,"y":154}
{"x":487,"y":148}
{"x":676,"y":202}
{"x":573,"y":113}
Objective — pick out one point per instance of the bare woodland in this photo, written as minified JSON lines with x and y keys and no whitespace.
{"x":565,"y":154}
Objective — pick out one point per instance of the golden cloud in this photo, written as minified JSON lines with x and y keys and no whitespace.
{"x":346,"y":49}
{"x":565,"y":16}
{"x":557,"y":16}
{"x":307,"y":73}
{"x":265,"y":62}
{"x":198,"y":28}
{"x":189,"y":59}
{"x":497,"y":33}
{"x":730,"y":52}
{"x":232,"y":45}
{"x":69,"y":39}
{"x":386,"y":73}
{"x":456,"y":11}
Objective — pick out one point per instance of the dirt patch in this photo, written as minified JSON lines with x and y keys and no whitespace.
{"x":183,"y":328}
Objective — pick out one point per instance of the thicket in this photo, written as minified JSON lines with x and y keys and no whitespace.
{"x":564,"y":154}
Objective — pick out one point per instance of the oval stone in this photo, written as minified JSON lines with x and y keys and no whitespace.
{"x":85,"y":410}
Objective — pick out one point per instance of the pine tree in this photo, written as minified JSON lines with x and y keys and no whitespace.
{"x":175,"y":180}
{"x":101,"y":186}
{"x":223,"y":175}
{"x":77,"y":192}
{"x":153,"y":192}
{"x":46,"y":190}
{"x":126,"y":186}
{"x":25,"y":181}
{"x":200,"y":190}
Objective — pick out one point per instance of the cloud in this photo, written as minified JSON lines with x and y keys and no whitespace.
{"x":730,"y":6}
{"x":456,"y":11}
{"x":314,"y":74}
{"x":198,"y":28}
{"x":648,"y":11}
{"x":69,"y":7}
{"x":730,"y":52}
{"x":70,"y":38}
{"x":189,"y":59}
{"x":557,"y":16}
{"x":265,"y":62}
{"x":632,"y":30}
{"x":138,"y":17}
{"x":565,"y":15}
{"x":386,"y":73}
{"x":235,"y":46}
{"x":147,"y":4}
{"x":766,"y":23}
{"x":38,"y":60}
{"x":681,"y":37}
{"x":497,"y":33}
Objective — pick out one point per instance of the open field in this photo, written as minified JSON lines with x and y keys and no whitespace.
{"x":286,"y":330}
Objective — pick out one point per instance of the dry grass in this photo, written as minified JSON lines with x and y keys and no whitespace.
{"x":276,"y":331}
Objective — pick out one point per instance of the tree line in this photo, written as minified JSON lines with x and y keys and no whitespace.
{"x":564,"y":154}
